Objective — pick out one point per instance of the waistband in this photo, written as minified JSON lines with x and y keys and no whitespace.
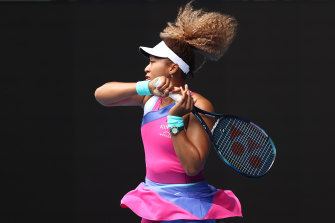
{"x":174,"y":178}
{"x":196,"y":190}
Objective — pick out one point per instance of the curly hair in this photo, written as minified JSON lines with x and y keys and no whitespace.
{"x":210,"y":33}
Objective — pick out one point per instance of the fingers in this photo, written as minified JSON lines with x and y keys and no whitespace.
{"x":165,"y":86}
{"x":189,"y":103}
{"x":159,"y":82}
{"x":175,"y":90}
{"x":183,"y":97}
{"x":166,"y":89}
{"x":169,"y":89}
{"x":186,"y":100}
{"x":189,"y":99}
{"x":185,"y":104}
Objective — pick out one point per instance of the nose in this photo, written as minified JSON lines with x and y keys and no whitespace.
{"x":147,"y":69}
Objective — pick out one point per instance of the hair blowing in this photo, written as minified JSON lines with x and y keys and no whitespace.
{"x":210,"y":33}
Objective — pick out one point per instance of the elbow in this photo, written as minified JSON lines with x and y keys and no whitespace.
{"x":192,"y":171}
{"x":194,"y":166}
{"x":98,"y":94}
{"x":103,"y":94}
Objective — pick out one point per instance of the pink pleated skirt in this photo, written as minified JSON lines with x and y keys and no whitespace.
{"x":170,"y":202}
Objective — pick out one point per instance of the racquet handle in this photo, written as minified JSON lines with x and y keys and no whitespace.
{"x":175,"y":97}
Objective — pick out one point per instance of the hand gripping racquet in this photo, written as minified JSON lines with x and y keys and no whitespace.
{"x":241,"y":144}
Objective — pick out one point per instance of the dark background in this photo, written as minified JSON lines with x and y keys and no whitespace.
{"x":66,"y":158}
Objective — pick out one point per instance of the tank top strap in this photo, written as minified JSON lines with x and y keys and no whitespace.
{"x":150,"y":104}
{"x":157,"y":104}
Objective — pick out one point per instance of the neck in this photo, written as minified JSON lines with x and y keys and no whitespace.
{"x":166,"y":101}
{"x":178,"y":80}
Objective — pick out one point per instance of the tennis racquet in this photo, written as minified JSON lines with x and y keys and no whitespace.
{"x":241,"y":144}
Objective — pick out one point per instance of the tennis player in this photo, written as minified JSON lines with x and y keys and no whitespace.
{"x":176,"y":145}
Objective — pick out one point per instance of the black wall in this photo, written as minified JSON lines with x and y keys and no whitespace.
{"x":65,"y":158}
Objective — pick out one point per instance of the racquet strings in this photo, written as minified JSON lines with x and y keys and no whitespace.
{"x":244,"y":146}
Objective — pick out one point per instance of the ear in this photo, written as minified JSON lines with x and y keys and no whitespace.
{"x":173,"y":68}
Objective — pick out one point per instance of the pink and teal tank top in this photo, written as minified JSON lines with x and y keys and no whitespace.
{"x":162,"y":163}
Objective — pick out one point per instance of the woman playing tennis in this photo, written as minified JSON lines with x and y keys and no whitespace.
{"x":176,"y":145}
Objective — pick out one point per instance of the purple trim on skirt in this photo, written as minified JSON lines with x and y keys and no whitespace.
{"x":196,"y":198}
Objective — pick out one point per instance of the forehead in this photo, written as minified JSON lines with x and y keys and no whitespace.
{"x":166,"y":60}
{"x":156,"y":58}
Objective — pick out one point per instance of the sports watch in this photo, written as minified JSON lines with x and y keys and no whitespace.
{"x":175,"y":130}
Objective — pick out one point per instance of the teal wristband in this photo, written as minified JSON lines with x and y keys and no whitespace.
{"x":142,"y":88}
{"x":175,"y":121}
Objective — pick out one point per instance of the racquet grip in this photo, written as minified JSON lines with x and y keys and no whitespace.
{"x":175,"y":97}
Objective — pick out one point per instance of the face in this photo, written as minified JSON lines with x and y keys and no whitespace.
{"x":157,"y":67}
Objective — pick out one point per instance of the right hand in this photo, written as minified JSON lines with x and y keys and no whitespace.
{"x":163,"y":88}
{"x":185,"y":103}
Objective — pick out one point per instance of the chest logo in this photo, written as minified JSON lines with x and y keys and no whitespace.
{"x":164,"y":131}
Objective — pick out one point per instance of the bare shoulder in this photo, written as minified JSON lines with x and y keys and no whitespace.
{"x":202,"y":102}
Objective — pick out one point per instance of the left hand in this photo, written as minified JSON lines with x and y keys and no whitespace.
{"x":185,"y":104}
{"x":163,"y":88}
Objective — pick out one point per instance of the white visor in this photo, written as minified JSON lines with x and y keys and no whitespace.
{"x":162,"y":50}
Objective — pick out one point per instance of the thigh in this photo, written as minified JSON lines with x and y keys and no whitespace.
{"x":148,"y":221}
{"x":230,"y":220}
{"x":178,"y":221}
{"x":190,"y":221}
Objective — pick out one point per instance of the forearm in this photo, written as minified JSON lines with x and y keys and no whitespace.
{"x":112,"y":93}
{"x":189,"y":155}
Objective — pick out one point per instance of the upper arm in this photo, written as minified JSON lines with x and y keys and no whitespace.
{"x":195,"y":131}
{"x":136,"y":100}
{"x":119,"y":94}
